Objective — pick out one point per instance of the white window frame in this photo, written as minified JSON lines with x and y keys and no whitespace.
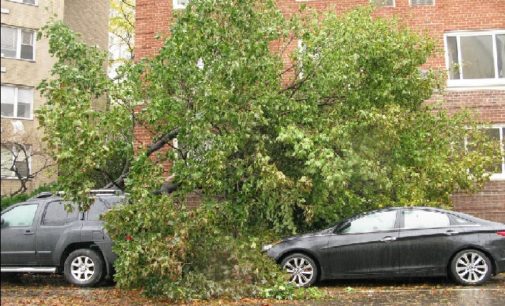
{"x":21,"y":2}
{"x":421,"y":5}
{"x":28,"y":149}
{"x":472,"y":82}
{"x":177,"y":6}
{"x":500,"y":127}
{"x":380,"y":6}
{"x":19,"y":42}
{"x":16,"y":101}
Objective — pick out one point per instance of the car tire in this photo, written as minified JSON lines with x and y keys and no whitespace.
{"x":302,"y":269}
{"x":471,"y":268}
{"x":84,"y":268}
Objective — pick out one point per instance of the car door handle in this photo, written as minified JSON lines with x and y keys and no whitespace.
{"x":28,"y":232}
{"x":388,"y":239}
{"x":451,"y":232}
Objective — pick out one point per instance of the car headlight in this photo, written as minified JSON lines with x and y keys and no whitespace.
{"x":266,"y":247}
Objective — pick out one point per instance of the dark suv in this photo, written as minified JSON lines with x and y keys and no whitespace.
{"x":40,"y":235}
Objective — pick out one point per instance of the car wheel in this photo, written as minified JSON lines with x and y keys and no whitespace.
{"x":83,"y":267}
{"x":302,"y":269}
{"x":471,"y":267}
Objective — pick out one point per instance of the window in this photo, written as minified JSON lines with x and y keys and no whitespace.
{"x":375,"y":222}
{"x":417,"y":218}
{"x":18,"y":43}
{"x":475,"y":58}
{"x":17,"y":102}
{"x":383,"y":3}
{"x":32,"y":2}
{"x":56,"y":214}
{"x":100,"y":206}
{"x":422,"y":2}
{"x":497,"y":133}
{"x":15,"y":156}
{"x":180,"y":4}
{"x":20,"y":215}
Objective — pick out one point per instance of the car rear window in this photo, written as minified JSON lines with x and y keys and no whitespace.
{"x":60,"y":213}
{"x":101,"y":205}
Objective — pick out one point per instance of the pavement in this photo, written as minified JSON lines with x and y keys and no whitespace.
{"x":53,"y":290}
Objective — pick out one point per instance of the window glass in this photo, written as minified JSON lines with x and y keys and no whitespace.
{"x":101,"y":205}
{"x":25,"y":101}
{"x":383,"y":2}
{"x":422,"y":2}
{"x":494,"y":134}
{"x":452,"y":50}
{"x":461,"y":221}
{"x":500,"y":51}
{"x":380,"y":221}
{"x":8,"y":100}
{"x":477,"y":57}
{"x":9,"y":42}
{"x":57,"y":214}
{"x":20,"y":216}
{"x":416,"y":218}
{"x":26,"y":44}
{"x":7,"y":160}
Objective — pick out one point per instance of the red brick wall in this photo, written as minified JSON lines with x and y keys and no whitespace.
{"x":154,"y":17}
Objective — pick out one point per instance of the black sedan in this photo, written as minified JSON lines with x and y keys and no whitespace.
{"x":397,"y":242}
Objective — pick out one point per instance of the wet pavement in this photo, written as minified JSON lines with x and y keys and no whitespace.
{"x":53,"y":290}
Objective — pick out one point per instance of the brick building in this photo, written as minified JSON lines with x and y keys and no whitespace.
{"x":24,"y":63}
{"x":471,"y":38}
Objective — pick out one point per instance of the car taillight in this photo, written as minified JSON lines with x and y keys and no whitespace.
{"x":501,"y":233}
{"x":128,"y":238}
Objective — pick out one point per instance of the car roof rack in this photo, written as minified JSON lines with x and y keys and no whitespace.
{"x":93,"y":192}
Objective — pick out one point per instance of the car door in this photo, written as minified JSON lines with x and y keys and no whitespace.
{"x":59,"y":220}
{"x":365,"y":247}
{"x":18,"y":235}
{"x":426,"y":242}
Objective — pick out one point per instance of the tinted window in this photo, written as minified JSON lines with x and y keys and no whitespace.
{"x":425,"y":219}
{"x":461,"y":221}
{"x":381,"y":221}
{"x":100,"y":206}
{"x":56,"y":214}
{"x":20,"y":216}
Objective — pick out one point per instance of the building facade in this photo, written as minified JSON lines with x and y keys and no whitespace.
{"x":471,"y":39}
{"x":25,"y":61}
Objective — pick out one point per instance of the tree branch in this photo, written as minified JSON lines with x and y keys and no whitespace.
{"x":162,"y":141}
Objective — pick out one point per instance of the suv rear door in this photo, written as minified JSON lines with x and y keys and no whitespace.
{"x":18,"y":234}
{"x":58,"y":227}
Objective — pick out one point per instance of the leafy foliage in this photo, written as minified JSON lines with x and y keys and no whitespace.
{"x":83,"y":131}
{"x":18,"y":198}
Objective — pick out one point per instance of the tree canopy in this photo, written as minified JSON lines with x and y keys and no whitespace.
{"x":282,"y":125}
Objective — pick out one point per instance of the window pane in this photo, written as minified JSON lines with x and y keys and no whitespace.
{"x":425,"y":219}
{"x":57,"y":214}
{"x":22,"y":168}
{"x":500,"y":50}
{"x":7,"y":160}
{"x":477,"y":57}
{"x":26,"y":52}
{"x":100,"y":206}
{"x":24,"y":110}
{"x":452,"y":50}
{"x":9,"y":41}
{"x":27,"y":37}
{"x":494,"y":134}
{"x":20,"y":216}
{"x":29,"y":1}
{"x":382,"y":221}
{"x":7,"y":110}
{"x":383,"y":2}
{"x":421,"y":2}
{"x":8,"y":94}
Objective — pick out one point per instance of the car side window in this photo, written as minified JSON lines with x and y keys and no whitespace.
{"x":375,"y":222}
{"x":22,"y":215}
{"x":417,"y":218}
{"x":56,"y":214}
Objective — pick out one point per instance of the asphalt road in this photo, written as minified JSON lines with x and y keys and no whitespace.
{"x":53,"y":290}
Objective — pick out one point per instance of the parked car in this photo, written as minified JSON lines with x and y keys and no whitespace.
{"x":396,"y":242}
{"x":40,"y":235}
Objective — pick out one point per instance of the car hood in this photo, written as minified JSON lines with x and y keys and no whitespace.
{"x":309,"y":235}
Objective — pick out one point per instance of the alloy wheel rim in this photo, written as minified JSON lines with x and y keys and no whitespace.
{"x":471,"y":267}
{"x":82,"y":268}
{"x":300,"y":269}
